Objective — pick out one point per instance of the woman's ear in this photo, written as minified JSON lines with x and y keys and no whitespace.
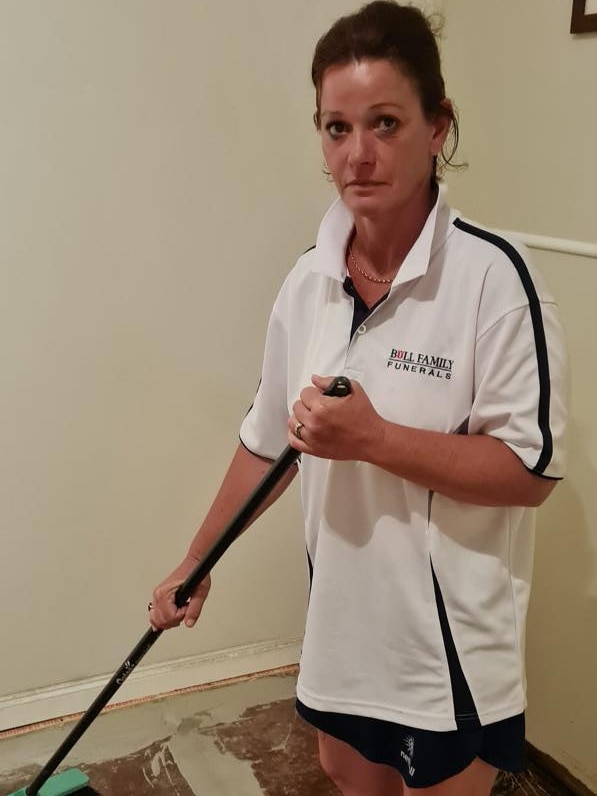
{"x":442,"y":124}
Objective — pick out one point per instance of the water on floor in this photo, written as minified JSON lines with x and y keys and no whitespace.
{"x":237,"y":739}
{"x":241,"y":739}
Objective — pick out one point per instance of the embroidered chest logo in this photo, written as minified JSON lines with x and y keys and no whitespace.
{"x":409,"y":754}
{"x":423,"y":364}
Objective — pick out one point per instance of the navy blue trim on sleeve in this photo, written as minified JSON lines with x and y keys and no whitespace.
{"x":246,"y":447}
{"x":539,"y":334}
{"x":544,"y":477}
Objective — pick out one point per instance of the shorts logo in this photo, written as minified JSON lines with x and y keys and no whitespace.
{"x":423,"y":364}
{"x":409,"y":743}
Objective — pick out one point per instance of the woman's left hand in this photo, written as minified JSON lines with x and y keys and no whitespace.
{"x":334,"y":428}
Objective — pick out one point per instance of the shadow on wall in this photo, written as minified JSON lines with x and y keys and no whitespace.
{"x":562,"y":638}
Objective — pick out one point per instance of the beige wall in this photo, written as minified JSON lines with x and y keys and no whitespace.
{"x":526,"y":91}
{"x":160,"y":174}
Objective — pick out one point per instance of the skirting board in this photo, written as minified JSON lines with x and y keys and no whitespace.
{"x":42,"y":704}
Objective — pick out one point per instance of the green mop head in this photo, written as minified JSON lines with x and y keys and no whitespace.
{"x":71,"y":781}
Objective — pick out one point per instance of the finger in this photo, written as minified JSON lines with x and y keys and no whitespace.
{"x":300,"y":413}
{"x":295,"y":442}
{"x":159,"y":622}
{"x":193,"y":611}
{"x":322,"y":382}
{"x":195,"y":604}
{"x":296,"y":429}
{"x":164,"y":612}
{"x":163,"y":618}
{"x":308,"y":397}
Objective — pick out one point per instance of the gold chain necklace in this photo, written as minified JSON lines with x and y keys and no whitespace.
{"x":370,"y":277}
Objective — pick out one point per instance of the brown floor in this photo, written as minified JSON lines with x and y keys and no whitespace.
{"x":243,"y":739}
{"x":279,"y":748}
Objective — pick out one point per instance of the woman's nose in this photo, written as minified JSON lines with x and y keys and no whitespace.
{"x":362,"y":149}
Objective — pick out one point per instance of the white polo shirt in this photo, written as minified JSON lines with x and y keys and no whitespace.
{"x":416,"y":596}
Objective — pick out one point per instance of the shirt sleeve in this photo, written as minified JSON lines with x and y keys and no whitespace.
{"x":521,"y":385}
{"x":264,"y":431}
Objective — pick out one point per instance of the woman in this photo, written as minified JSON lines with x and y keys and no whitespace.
{"x":419,"y":487}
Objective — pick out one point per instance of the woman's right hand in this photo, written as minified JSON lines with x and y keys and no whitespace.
{"x":164,"y":613}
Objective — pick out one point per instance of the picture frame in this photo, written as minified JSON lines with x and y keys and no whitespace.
{"x":582,"y":22}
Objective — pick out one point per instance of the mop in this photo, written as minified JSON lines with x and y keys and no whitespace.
{"x":74,"y":780}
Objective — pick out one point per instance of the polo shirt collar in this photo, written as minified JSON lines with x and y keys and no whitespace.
{"x":336,"y":227}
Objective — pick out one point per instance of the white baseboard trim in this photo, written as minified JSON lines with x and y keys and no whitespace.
{"x":43,"y":704}
{"x":545,"y":243}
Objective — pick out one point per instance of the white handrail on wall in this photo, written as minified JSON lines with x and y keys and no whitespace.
{"x":577,"y":247}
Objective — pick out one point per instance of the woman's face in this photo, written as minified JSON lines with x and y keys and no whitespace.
{"x":377,"y":143}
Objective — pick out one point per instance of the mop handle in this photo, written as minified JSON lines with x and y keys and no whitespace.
{"x":340,"y":387}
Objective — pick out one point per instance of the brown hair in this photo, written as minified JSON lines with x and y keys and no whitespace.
{"x":402,"y":34}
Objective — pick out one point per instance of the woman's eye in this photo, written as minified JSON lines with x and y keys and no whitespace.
{"x":387,"y":124}
{"x":335,"y":129}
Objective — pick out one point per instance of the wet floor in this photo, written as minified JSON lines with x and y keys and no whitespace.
{"x":242,"y":739}
{"x":238,"y":739}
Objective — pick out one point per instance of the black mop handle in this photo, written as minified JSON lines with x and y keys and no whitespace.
{"x":340,"y":387}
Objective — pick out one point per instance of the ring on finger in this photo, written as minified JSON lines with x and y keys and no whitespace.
{"x":298,"y":429}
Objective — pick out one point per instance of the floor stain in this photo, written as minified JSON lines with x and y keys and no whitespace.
{"x":151,"y":770}
{"x":281,"y":748}
{"x":229,"y":741}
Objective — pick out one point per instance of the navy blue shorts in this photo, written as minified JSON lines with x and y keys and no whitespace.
{"x":425,"y":757}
